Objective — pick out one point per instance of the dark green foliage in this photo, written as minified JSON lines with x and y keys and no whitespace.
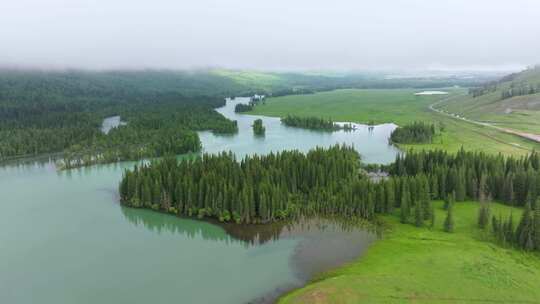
{"x":258,"y":188}
{"x":503,"y":230}
{"x":432,"y":217}
{"x":484,"y":89}
{"x":314,"y":123}
{"x":415,"y":133}
{"x":45,"y":112}
{"x":536,"y":225}
{"x":405,"y":206}
{"x":449,"y":200}
{"x":483,"y":215}
{"x":242,"y":107}
{"x":449,"y":221}
{"x":519,"y":89}
{"x":151,"y":131}
{"x":419,"y":215}
{"x":474,"y":175}
{"x":524,"y":234}
{"x":258,"y":128}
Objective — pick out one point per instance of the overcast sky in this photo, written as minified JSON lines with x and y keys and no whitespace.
{"x":270,"y":34}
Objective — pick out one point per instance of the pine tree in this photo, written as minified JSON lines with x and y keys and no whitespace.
{"x":495,"y":226}
{"x":146,"y":194}
{"x":460,"y":187}
{"x":405,"y":211}
{"x":450,"y":199}
{"x":419,"y":215}
{"x":156,"y":193}
{"x":432,"y":216}
{"x":524,"y":230}
{"x":425,"y":199}
{"x":483,"y":215}
{"x":536,"y":225}
{"x":508,"y":230}
{"x":449,"y":221}
{"x":482,"y":189}
{"x":390,"y":196}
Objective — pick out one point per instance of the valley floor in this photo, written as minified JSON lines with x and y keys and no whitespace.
{"x":428,"y":265}
{"x":421,"y":265}
{"x":399,"y":106}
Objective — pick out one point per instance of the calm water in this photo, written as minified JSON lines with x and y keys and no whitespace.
{"x":373,"y":145}
{"x":65,"y":239}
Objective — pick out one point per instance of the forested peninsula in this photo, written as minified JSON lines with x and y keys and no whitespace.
{"x":329,"y":182}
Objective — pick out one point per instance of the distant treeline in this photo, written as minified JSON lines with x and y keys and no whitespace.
{"x":414,"y":133}
{"x":515,"y":88}
{"x":484,"y":89}
{"x":314,"y":123}
{"x":519,"y":90}
{"x":62,"y":111}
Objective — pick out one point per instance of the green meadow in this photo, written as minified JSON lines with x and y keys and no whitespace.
{"x":428,"y":265}
{"x":398,"y":106}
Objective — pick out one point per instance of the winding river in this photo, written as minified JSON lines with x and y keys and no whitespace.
{"x":65,"y":239}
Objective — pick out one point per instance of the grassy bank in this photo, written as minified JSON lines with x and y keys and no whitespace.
{"x":424,"y":265}
{"x":520,"y":112}
{"x":399,"y":106}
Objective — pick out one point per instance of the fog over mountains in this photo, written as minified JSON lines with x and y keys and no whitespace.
{"x":274,"y":35}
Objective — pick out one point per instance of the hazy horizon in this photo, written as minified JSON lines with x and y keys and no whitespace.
{"x":273,"y":35}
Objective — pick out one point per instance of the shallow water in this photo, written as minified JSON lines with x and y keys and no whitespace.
{"x":65,"y":239}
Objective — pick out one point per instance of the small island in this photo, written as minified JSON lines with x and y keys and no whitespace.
{"x":258,"y":128}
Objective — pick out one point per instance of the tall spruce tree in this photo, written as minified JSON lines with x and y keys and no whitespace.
{"x":536,"y":225}
{"x":525,"y":229}
{"x":483,"y":215}
{"x":419,"y":215}
{"x":432,"y":216}
{"x":449,"y":221}
{"x":405,"y":211}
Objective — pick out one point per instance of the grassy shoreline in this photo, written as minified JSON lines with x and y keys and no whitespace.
{"x":408,"y":263}
{"x":421,"y":265}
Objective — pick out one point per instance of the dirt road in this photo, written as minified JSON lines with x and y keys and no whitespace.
{"x":529,"y":136}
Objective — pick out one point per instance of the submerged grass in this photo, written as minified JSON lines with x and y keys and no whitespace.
{"x":428,"y":265}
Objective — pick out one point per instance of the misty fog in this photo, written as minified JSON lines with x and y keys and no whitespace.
{"x":276,"y":34}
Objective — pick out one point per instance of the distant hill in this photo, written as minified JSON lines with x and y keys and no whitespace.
{"x":512,"y":102}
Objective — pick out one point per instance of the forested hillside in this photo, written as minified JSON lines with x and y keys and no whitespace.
{"x":61,"y":111}
{"x":44,"y":112}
